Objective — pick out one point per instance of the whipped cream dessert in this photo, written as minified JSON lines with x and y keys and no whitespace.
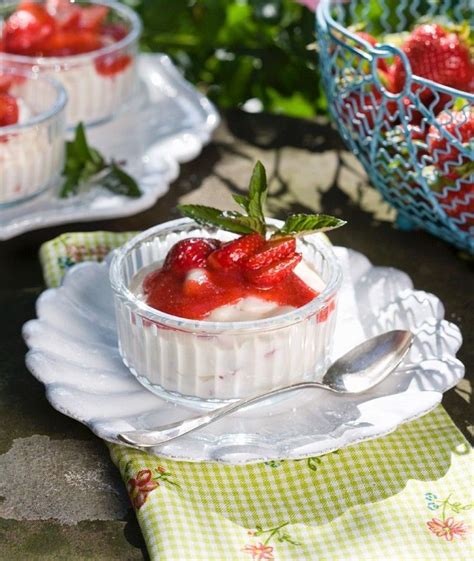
{"x":66,"y":41}
{"x":222,"y":305}
{"x":230,"y":362}
{"x":31,"y":157}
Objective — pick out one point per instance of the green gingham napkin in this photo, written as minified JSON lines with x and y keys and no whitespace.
{"x":406,"y":496}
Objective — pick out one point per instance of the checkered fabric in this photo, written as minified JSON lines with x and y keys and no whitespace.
{"x":406,"y":496}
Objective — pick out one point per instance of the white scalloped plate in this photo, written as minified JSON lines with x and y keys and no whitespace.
{"x":73,"y":351}
{"x":170,"y":123}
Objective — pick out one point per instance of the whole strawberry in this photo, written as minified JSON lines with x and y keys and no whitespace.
{"x":190,"y":253}
{"x":436,"y":54}
{"x":460,"y":124}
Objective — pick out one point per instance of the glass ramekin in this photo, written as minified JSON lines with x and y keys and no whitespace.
{"x":213,"y":362}
{"x":92,"y":96}
{"x":32,"y":150}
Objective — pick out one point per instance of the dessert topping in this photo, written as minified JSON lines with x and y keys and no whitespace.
{"x":199,"y":275}
{"x":231,"y":254}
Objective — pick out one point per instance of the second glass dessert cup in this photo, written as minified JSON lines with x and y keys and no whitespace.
{"x":98,"y":83}
{"x":32,"y":149}
{"x":206,"y":362}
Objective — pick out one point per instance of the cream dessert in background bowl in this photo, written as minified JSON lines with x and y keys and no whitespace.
{"x":207,"y":316}
{"x":32,"y":124}
{"x":90,"y":47}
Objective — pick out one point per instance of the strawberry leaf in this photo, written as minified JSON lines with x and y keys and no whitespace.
{"x":303,"y":224}
{"x":460,"y":103}
{"x":230,"y":221}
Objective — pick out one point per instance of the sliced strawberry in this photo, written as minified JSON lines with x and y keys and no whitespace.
{"x":92,"y":17}
{"x":190,"y":253}
{"x":27,"y":28}
{"x":266,"y":277}
{"x":116,"y":31}
{"x":8,"y":110}
{"x":233,"y":253}
{"x":67,"y":43}
{"x":272,"y":251}
{"x":109,"y":65}
{"x":54,"y":6}
{"x":68,"y":17}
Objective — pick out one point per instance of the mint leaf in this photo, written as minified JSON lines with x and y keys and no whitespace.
{"x":70,"y":185}
{"x":255,"y":224}
{"x":82,"y":151}
{"x":242,"y":200}
{"x":120,"y":182}
{"x":230,"y":221}
{"x":257,"y":192}
{"x":303,"y":224}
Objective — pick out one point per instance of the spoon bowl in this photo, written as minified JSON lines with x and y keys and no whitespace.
{"x":362,"y":368}
{"x":369,"y":363}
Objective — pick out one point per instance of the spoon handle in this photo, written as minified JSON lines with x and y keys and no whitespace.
{"x":154,"y":437}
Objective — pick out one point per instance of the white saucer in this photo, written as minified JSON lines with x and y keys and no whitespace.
{"x":73,"y":351}
{"x":167,"y":122}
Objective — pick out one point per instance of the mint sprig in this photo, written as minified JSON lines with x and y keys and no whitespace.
{"x":84,"y":164}
{"x":254,"y":220}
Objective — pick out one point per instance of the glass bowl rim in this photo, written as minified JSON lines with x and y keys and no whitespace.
{"x":132,"y":35}
{"x":56,"y":108}
{"x":203,"y":326}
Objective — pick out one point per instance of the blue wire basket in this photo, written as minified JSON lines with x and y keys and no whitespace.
{"x":432,"y":187}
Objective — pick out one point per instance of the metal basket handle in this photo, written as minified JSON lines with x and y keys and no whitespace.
{"x":384,"y":51}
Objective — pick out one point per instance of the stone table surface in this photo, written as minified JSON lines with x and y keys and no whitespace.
{"x":60,"y":496}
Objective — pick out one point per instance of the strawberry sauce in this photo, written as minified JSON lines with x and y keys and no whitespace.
{"x":181,"y":296}
{"x":60,"y":28}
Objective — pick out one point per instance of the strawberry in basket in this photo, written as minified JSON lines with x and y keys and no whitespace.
{"x":455,"y":169}
{"x":437,"y":54}
{"x":455,"y":194}
{"x":456,"y":124}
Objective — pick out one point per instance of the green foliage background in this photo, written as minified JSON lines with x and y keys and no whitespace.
{"x":235,"y":50}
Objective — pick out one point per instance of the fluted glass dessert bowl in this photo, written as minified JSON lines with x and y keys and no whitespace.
{"x":32,"y":149}
{"x":98,"y":83}
{"x":212,"y":362}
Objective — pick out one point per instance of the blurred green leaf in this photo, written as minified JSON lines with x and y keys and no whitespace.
{"x":235,"y":50}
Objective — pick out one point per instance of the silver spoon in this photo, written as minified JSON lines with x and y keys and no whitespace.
{"x":355,"y":372}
